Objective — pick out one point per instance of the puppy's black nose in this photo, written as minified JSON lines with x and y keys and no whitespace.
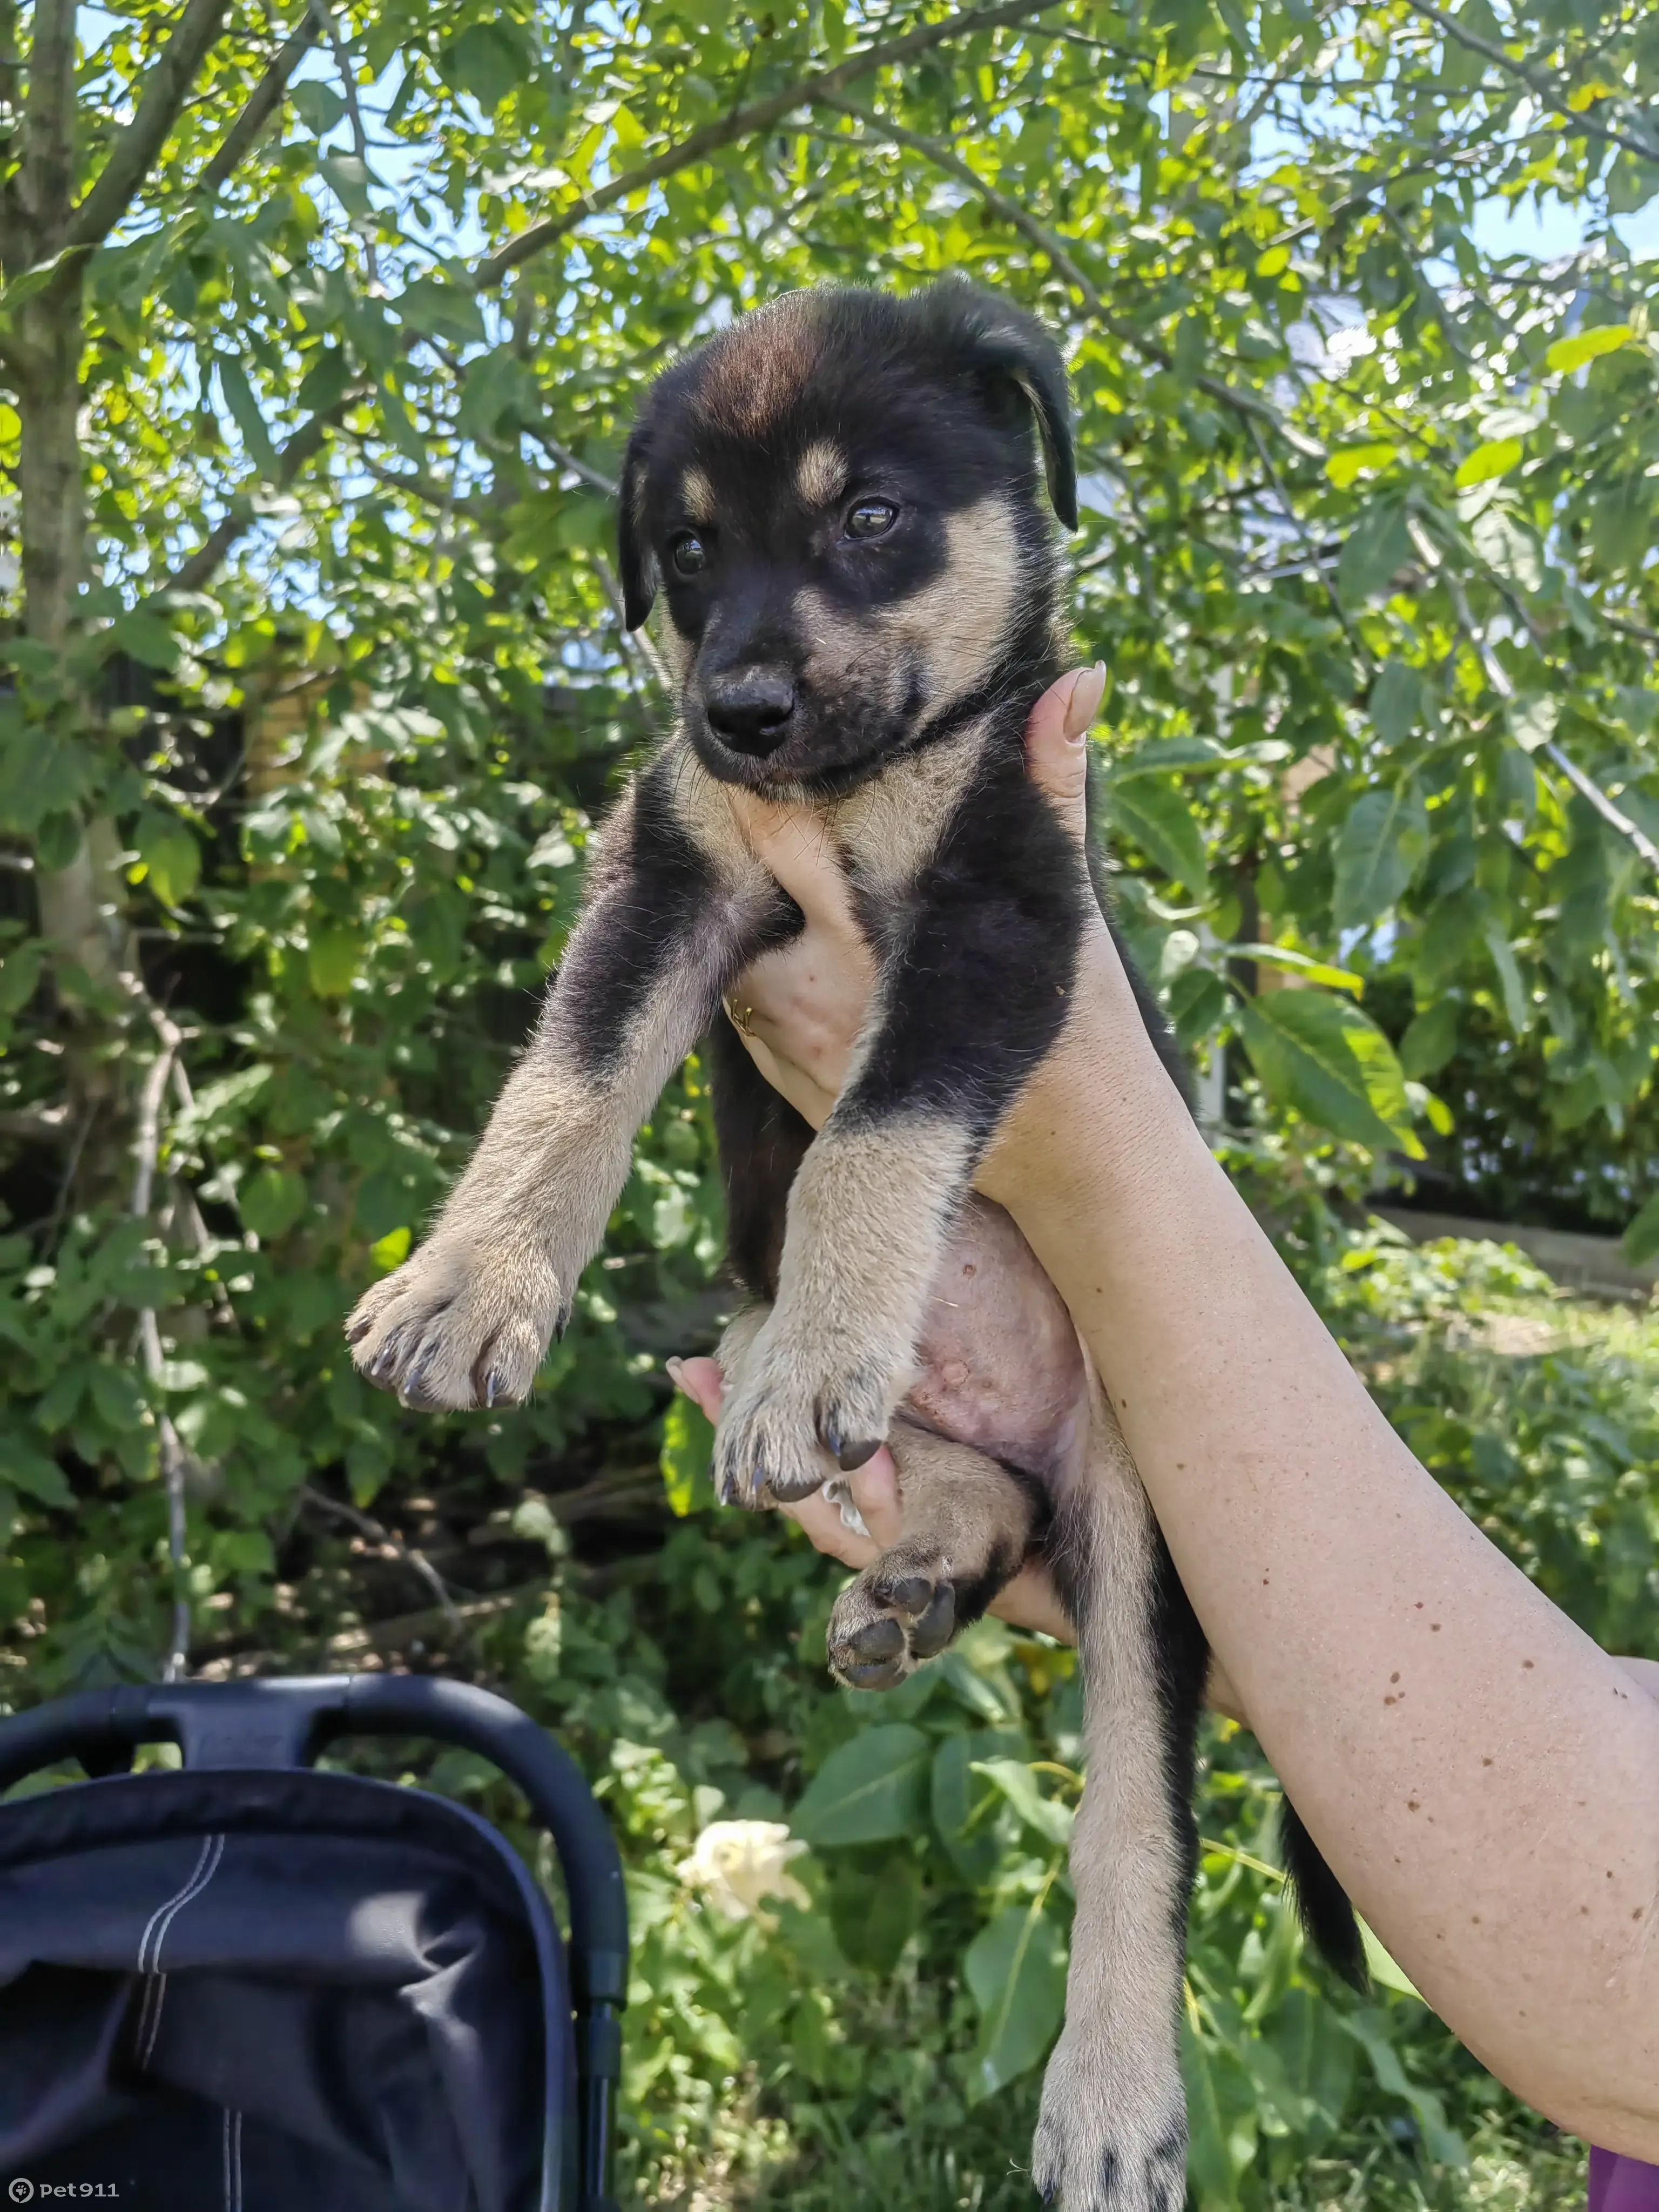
{"x":749,"y":708}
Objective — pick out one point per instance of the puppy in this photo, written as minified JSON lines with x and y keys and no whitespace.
{"x":840,"y":499}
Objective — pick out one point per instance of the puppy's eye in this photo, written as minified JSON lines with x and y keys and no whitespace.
{"x":687,"y":554}
{"x":871,"y":518}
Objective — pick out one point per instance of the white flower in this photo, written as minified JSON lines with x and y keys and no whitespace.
{"x":737,"y":1864}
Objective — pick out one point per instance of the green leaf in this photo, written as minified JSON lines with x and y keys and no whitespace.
{"x":1430,"y":1041}
{"x":1496,"y":458}
{"x":1641,"y":1239}
{"x":319,"y":106}
{"x":1211,"y":2174}
{"x":1197,"y":1000}
{"x":19,"y":975}
{"x":1016,"y":1781}
{"x":1015,"y":1970}
{"x":391,"y":1250}
{"x":1379,"y":849}
{"x":333,"y":957}
{"x":1397,"y":702}
{"x":869,"y":1790}
{"x":955,"y":1795}
{"x":1344,"y":468}
{"x":348,"y":177}
{"x":238,"y":394}
{"x":33,"y":1473}
{"x":1303,"y":965}
{"x":1532,"y":722}
{"x":1516,"y":1005}
{"x":441,"y":311}
{"x":41,"y":774}
{"x":1567,"y":354}
{"x":1324,"y":1058}
{"x":171,"y":856}
{"x":688,"y":1447}
{"x":1368,"y":2029}
{"x":1375,"y":552}
{"x":486,"y":63}
{"x":1158,"y":818}
{"x":270,"y":1201}
{"x":145,"y":637}
{"x":1382,"y":1970}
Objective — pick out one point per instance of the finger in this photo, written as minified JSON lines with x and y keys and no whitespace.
{"x":1030,"y":1601}
{"x":700,"y":1381}
{"x":797,"y":850}
{"x":1056,"y":741}
{"x":828,"y":1533}
{"x":808,"y":1098}
{"x":875,"y":1490}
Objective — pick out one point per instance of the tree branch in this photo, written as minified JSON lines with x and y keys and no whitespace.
{"x":1544,"y":88}
{"x":1614,"y":817}
{"x":944,"y":157}
{"x":742,"y":122}
{"x":165,"y":89}
{"x":263,"y":102}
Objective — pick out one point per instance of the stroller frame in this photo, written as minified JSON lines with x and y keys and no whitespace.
{"x":277,"y":1723}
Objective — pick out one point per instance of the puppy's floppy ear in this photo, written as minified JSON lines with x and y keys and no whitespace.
{"x":637,"y":564}
{"x":1005,"y":345}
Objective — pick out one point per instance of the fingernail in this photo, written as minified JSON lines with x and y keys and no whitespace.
{"x":1084,"y":704}
{"x":675,"y":1369}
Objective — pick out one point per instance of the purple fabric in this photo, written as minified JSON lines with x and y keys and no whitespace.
{"x":1622,"y":2185}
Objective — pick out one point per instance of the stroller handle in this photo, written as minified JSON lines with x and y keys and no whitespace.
{"x":285,"y":1721}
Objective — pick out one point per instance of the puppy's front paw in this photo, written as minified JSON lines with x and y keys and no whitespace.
{"x":897,"y":1613}
{"x":454,"y":1328}
{"x":790,"y":1419}
{"x":1112,"y":2133}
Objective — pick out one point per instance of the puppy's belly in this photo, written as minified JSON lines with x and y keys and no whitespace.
{"x":1000,"y":1362}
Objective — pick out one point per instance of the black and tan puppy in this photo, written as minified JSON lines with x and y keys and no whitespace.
{"x":840,"y":499}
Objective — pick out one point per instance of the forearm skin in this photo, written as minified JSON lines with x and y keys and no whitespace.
{"x":1482,"y":1777}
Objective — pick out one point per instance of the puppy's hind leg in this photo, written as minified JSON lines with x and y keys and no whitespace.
{"x":968,"y":1525}
{"x":1112,"y":2135}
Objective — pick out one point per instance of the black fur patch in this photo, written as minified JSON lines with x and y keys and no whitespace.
{"x":983,"y":957}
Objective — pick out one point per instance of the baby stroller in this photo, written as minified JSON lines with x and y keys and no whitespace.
{"x":245,"y":1984}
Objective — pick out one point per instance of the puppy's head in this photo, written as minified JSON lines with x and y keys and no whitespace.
{"x":838,"y":496}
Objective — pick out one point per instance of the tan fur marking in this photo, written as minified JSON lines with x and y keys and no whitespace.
{"x":820,"y":473}
{"x":1114,"y":2081}
{"x":697,"y":496}
{"x":890,"y":828}
{"x":756,"y":371}
{"x":869,"y":1212}
{"x":957,"y":623}
{"x":484,"y":1291}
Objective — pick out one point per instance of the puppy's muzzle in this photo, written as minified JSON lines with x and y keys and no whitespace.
{"x":750,"y":709}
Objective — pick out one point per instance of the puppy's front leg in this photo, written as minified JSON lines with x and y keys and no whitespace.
{"x":975,"y":986}
{"x":466,"y":1320}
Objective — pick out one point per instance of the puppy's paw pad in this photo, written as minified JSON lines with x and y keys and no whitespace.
{"x":898,"y":1613}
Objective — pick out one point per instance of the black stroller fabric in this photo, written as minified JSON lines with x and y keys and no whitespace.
{"x":275,"y":1992}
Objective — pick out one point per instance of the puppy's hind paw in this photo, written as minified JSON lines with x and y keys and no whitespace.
{"x":899,"y":1612}
{"x":1110,"y":2138}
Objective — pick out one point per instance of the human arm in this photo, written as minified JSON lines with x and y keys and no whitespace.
{"x":1484,"y":1781}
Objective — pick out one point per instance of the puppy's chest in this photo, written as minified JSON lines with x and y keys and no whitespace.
{"x":885,"y":831}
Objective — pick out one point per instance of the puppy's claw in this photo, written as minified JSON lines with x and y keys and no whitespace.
{"x":853,"y":1455}
{"x":358,"y":1329}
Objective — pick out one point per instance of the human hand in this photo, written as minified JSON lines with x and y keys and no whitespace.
{"x":799,"y":1010}
{"x":1028,"y":1601}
